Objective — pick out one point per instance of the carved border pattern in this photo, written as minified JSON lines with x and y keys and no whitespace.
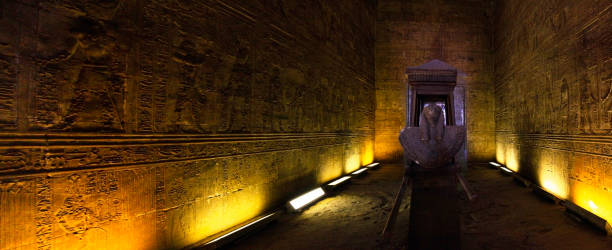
{"x":31,"y":154}
{"x":600,"y":146}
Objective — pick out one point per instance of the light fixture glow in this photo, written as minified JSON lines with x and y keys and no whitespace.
{"x":338,"y":181}
{"x":551,"y":187}
{"x":505,"y":169}
{"x":592,"y":205}
{"x":359,"y":171}
{"x":373,"y":165}
{"x":495,"y":164}
{"x":238,"y":229}
{"x":306,"y":198}
{"x":592,"y":218}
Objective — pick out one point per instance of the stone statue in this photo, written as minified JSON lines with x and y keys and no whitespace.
{"x":431,"y":141}
{"x":432,"y":144}
{"x":430,"y":151}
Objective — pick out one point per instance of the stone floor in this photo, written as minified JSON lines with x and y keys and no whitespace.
{"x":508,"y":216}
{"x":504,"y":216}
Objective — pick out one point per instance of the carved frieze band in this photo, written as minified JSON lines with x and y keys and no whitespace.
{"x":592,"y":145}
{"x":25,"y":154}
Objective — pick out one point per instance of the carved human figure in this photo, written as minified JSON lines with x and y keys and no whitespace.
{"x":277,"y":101}
{"x":563,"y":107}
{"x":588,"y":104}
{"x":237,"y":93}
{"x":605,"y":94}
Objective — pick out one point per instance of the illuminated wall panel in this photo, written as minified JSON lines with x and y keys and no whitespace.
{"x":154,"y":124}
{"x":553,"y":94}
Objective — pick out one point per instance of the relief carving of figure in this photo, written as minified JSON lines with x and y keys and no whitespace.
{"x":81,"y":87}
{"x":563,"y":110}
{"x":238,"y":93}
{"x":278,"y":111}
{"x":588,"y":104}
{"x":605,"y":95}
{"x":75,"y":217}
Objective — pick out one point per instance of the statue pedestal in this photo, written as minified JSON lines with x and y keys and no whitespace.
{"x":434,"y":209}
{"x":433,"y":136}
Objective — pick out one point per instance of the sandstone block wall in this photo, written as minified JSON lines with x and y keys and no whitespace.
{"x":154,"y":124}
{"x":553,"y":93}
{"x":410,"y":33}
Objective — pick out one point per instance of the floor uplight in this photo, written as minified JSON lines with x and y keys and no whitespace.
{"x":227,"y":235}
{"x":338,"y":181}
{"x":592,"y":205}
{"x":373,"y":165}
{"x":505,"y":169}
{"x":495,"y":164}
{"x":592,"y":218}
{"x":545,"y":194}
{"x":359,"y":171}
{"x":306,"y":198}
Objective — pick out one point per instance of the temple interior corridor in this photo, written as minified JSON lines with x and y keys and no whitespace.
{"x":355,"y":217}
{"x":201,"y":124}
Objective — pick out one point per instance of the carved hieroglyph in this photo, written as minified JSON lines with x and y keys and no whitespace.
{"x":154,"y":124}
{"x":554,"y":94}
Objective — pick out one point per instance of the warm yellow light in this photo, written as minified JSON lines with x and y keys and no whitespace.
{"x":388,"y":147}
{"x":592,"y":205}
{"x":240,"y":228}
{"x":597,"y":201}
{"x":357,"y":172}
{"x":548,"y":185}
{"x":338,"y":181}
{"x":307,"y":198}
{"x":500,"y":153}
{"x":554,"y":188}
{"x":367,"y":153}
{"x":331,"y":168}
{"x":352,"y":163}
{"x":512,"y":161}
{"x":551,"y":175}
{"x":212,"y":216}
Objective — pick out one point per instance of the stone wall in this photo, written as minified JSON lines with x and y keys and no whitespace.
{"x":154,"y":124}
{"x":553,"y":93}
{"x":410,"y":33}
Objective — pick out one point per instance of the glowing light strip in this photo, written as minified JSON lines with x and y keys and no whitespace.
{"x":306,"y":198}
{"x":338,"y":181}
{"x":587,"y":215}
{"x":238,"y":229}
{"x":359,"y":171}
{"x":505,"y":169}
{"x":373,"y":165}
{"x":495,"y":164}
{"x":592,"y":205}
